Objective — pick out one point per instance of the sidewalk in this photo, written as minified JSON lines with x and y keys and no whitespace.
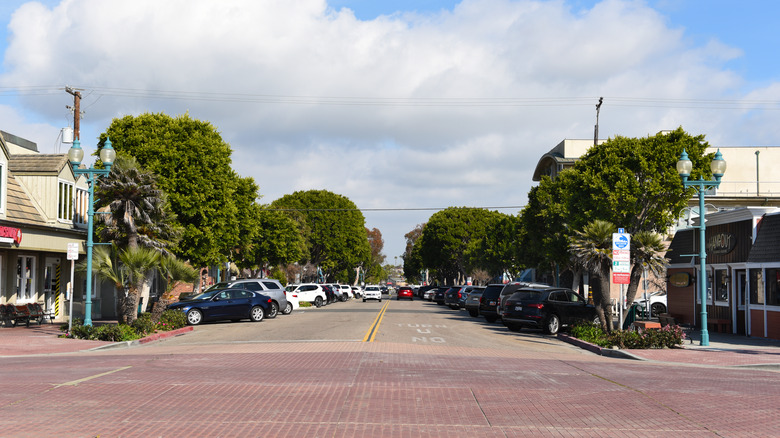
{"x":44,"y":340}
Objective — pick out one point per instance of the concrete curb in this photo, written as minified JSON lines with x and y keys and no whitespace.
{"x":151,"y":338}
{"x":607,"y":352}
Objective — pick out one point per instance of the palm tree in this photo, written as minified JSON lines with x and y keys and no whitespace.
{"x":175,"y":272}
{"x":106,"y":265}
{"x":647,"y":248}
{"x":137,"y":263}
{"x":592,"y":248}
{"x":139,"y":213}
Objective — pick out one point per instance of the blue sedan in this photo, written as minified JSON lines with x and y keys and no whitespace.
{"x":220,"y":304}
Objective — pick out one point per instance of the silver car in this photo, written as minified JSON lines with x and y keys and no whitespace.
{"x":266,"y":286}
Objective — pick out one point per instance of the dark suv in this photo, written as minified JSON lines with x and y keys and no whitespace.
{"x":266,"y":286}
{"x":547,"y":308}
{"x":452,"y":297}
{"x":511,"y":288}
{"x":488,"y":303}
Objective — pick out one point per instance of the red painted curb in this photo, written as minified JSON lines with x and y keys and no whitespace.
{"x":164,"y":335}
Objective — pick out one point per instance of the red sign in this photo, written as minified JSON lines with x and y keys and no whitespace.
{"x":621,"y":277}
{"x":11,"y":233}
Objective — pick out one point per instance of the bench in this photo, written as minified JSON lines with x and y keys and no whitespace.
{"x":26,"y":313}
{"x":720,"y":325}
{"x":666,"y":319}
{"x":645,"y":325}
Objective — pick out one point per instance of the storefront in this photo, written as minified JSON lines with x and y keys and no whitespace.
{"x":740,"y":255}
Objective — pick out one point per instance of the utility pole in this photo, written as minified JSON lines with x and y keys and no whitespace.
{"x":76,"y":111}
{"x":596,"y":131}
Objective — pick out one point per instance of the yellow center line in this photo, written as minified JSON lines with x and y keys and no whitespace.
{"x":371,"y":334}
{"x":76,"y":382}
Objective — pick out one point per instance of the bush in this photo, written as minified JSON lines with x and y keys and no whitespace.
{"x":144,"y":325}
{"x":666,"y":337}
{"x":172,"y":320}
{"x":304,"y":304}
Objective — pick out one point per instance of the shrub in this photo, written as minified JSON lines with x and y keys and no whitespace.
{"x":172,"y":320}
{"x":667,"y":337}
{"x":144,"y":325}
{"x":304,"y":304}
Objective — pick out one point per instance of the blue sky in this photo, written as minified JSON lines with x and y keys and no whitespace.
{"x":379,"y":110}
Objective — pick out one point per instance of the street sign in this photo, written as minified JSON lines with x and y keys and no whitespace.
{"x":621,"y":257}
{"x":73,"y":251}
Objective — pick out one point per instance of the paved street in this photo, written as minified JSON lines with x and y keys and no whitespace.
{"x":429,"y":372}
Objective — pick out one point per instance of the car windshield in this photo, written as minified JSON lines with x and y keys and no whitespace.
{"x":222,"y":285}
{"x":205,"y":295}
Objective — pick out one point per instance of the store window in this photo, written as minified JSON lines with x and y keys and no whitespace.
{"x":25,"y":278}
{"x":773,"y":287}
{"x":756,"y":286}
{"x":721,"y":285}
{"x":65,"y":201}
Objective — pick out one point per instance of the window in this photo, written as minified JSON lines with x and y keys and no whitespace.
{"x":82,"y":198}
{"x":25,"y":278}
{"x":271,"y":285}
{"x":773,"y":287}
{"x":2,"y":186}
{"x":65,"y":204}
{"x":721,"y":285}
{"x":756,"y":287}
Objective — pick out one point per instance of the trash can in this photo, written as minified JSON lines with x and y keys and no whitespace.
{"x":630,"y":316}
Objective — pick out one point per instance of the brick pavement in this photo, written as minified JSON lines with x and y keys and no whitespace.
{"x":359,"y":389}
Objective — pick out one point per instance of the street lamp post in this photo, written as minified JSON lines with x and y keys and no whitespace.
{"x":718,"y":167}
{"x":75,"y":155}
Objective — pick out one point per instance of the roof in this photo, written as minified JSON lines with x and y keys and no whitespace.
{"x":765,"y":249}
{"x":37,"y":163}
{"x":19,"y":208}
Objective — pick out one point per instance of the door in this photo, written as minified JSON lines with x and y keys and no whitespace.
{"x":51,"y":285}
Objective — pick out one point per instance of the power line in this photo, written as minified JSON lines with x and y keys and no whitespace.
{"x":392,"y":209}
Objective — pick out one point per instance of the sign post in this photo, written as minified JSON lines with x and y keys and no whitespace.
{"x":621,"y":264}
{"x":73,"y":255}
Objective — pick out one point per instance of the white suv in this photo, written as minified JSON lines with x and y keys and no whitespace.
{"x":310,"y":292}
{"x":372,"y":292}
{"x":346,"y":291}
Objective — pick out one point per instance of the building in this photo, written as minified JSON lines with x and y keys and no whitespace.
{"x":42,"y":209}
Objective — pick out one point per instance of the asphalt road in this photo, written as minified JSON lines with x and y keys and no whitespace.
{"x":376,"y":369}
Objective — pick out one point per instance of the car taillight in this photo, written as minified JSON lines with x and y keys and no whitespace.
{"x":459,"y":295}
{"x":539,"y":306}
{"x":480,"y":300}
{"x":269,"y":301}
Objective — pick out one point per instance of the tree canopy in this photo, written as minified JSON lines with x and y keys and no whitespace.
{"x":192,"y":163}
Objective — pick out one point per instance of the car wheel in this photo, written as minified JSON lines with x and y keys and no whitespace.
{"x":257,"y":314}
{"x":552,"y":325}
{"x":380,"y":300}
{"x":657,"y":309}
{"x":364,"y":300}
{"x":194,"y":317}
{"x":491,"y":318}
{"x":318,"y":301}
{"x":287,"y":309}
{"x":473,"y":313}
{"x":274,"y":310}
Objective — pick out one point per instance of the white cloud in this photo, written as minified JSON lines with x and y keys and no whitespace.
{"x":391,"y":112}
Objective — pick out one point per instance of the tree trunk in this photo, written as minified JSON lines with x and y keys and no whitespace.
{"x":602,"y":301}
{"x":131,"y":305}
{"x":159,"y":308}
{"x":121,"y":299}
{"x":636,"y":277}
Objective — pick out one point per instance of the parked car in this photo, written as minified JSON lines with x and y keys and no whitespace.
{"x":428,"y":294}
{"x":438,"y":296}
{"x":547,"y":308}
{"x":265,"y":286}
{"x":422,"y":289}
{"x":357,"y":291}
{"x":452,"y":297}
{"x":511,"y":288}
{"x":488,"y":302}
{"x":332,"y":296}
{"x":372,"y":292}
{"x":657,"y":302}
{"x":405,"y":292}
{"x":346,"y":292}
{"x":221,"y":304}
{"x":472,"y":300}
{"x":309,"y":292}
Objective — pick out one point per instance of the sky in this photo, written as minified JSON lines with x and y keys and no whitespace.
{"x":403,"y":106}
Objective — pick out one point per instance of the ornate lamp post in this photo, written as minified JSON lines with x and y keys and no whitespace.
{"x":107,"y":156}
{"x":718,"y":167}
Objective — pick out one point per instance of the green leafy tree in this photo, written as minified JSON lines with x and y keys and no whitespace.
{"x":497,"y":251}
{"x":106,"y":265}
{"x":412,"y":260}
{"x":192,"y":164}
{"x":175,"y":273}
{"x":446,"y":237}
{"x":647,"y":251}
{"x":278,"y":241}
{"x":333,"y":228}
{"x":136,"y":263}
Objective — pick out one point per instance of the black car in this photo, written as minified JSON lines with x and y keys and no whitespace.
{"x":510,"y":288}
{"x":547,"y":308}
{"x":438,"y":296}
{"x":220,"y":304}
{"x":332,"y":297}
{"x":453,"y":295}
{"x":488,"y":304}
